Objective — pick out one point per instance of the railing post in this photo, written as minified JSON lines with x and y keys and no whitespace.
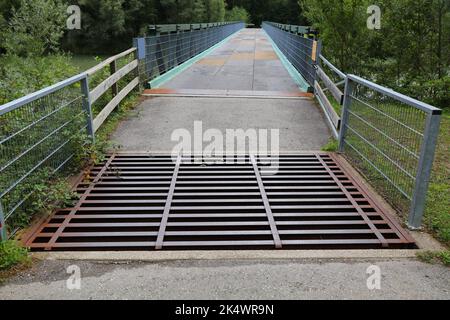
{"x":344,"y":117}
{"x":140,"y":54}
{"x":424,"y":169}
{"x":88,"y":107}
{"x":112,"y":70}
{"x":3,"y":235}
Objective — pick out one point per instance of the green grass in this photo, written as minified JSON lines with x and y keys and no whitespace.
{"x":331,"y":146}
{"x":336,"y":106}
{"x":437,"y":214}
{"x":12,"y":254}
{"x":435,"y":257}
{"x":85,"y":62}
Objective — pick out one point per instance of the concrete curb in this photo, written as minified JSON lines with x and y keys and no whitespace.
{"x":155,"y":256}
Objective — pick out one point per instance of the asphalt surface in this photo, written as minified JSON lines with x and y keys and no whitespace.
{"x":300,"y":122}
{"x":232,"y":279}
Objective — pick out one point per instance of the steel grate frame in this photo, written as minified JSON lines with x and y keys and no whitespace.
{"x":145,"y":202}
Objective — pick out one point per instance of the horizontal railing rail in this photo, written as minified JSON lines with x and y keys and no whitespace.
{"x":112,"y":83}
{"x":307,"y":31}
{"x":327,"y":90}
{"x":173,"y":45}
{"x":171,"y":28}
{"x":391,"y":138}
{"x":303,"y":53}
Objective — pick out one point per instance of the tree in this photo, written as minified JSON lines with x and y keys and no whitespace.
{"x":36,"y":27}
{"x":406,"y":54}
{"x":343,"y":29}
{"x":215,"y":10}
{"x":237,"y":14}
{"x":102,"y":27}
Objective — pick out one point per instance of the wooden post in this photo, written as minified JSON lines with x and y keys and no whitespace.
{"x":115,"y":87}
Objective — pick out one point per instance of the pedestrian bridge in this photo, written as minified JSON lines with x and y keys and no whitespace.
{"x":204,"y":80}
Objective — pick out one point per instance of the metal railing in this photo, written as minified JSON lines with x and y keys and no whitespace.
{"x":307,"y":31}
{"x":37,"y":138}
{"x":41,"y":132}
{"x":391,"y":138}
{"x":176,"y":44}
{"x":299,"y":50}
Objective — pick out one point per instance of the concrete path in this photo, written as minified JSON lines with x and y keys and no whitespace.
{"x":233,"y":279}
{"x":300,"y":123}
{"x":246,"y":62}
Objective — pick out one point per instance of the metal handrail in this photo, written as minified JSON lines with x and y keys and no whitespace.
{"x":396,"y":95}
{"x":412,"y":131}
{"x":332,"y":67}
{"x":10,"y":106}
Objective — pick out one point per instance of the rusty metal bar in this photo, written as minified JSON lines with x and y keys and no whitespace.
{"x":355,"y":204}
{"x":74,"y":211}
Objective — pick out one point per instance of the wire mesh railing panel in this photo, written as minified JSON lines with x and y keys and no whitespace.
{"x":385,"y":135}
{"x":38,"y":137}
{"x":164,"y":52}
{"x":299,"y":50}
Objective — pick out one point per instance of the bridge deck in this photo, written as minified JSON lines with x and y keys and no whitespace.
{"x":246,"y":62}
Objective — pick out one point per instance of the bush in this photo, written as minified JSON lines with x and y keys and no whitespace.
{"x":11,"y":254}
{"x":34,"y":28}
{"x":21,"y":76}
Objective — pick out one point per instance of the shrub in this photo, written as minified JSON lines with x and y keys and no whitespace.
{"x":21,"y":76}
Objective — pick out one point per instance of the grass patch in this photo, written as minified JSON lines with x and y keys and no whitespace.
{"x":434,"y":257}
{"x":331,"y":146}
{"x":437,"y":213}
{"x":12,"y":254}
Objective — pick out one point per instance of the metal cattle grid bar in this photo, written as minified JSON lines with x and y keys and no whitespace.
{"x":144,"y":202}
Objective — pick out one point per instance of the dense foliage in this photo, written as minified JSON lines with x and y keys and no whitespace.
{"x":410,"y":52}
{"x":118,"y":21}
{"x":30,"y":39}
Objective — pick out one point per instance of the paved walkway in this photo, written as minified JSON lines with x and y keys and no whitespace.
{"x":251,"y":89}
{"x":233,"y":279}
{"x":301,"y":124}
